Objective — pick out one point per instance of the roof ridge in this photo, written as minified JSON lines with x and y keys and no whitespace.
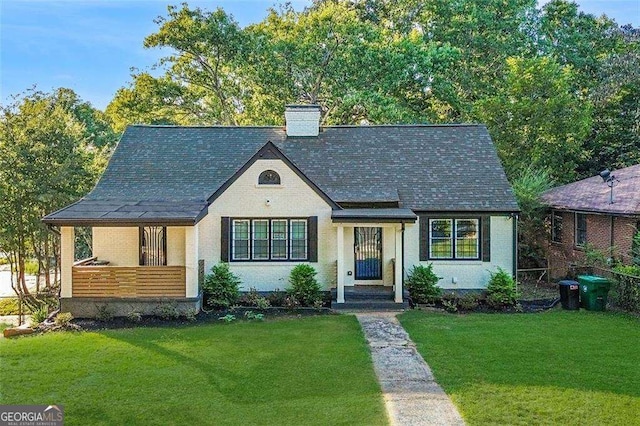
{"x":335,"y":126}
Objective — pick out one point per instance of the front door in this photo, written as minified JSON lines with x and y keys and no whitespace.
{"x":368,"y":253}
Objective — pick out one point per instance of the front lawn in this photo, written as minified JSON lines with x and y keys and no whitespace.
{"x":557,"y":367}
{"x":314,"y":370}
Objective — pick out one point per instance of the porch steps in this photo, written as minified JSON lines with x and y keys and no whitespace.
{"x":368,"y":298}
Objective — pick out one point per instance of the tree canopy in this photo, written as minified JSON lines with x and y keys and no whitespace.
{"x":546,"y":81}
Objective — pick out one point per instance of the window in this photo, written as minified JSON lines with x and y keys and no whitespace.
{"x":581,"y":229}
{"x":556,"y":227}
{"x":269,"y":240}
{"x":454,"y":239}
{"x":269,"y":177}
{"x":153,"y":246}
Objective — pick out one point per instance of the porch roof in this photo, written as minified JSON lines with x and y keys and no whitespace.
{"x":128,"y":213}
{"x":398,"y":215}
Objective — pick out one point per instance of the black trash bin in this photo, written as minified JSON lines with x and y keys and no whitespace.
{"x":569,"y":295}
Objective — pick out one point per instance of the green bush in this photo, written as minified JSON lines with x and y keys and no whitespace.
{"x":469,"y":301}
{"x":40,"y":314}
{"x":253,"y":298}
{"x":134,"y":317}
{"x":625,"y":290}
{"x":422,"y":284}
{"x":104,"y":312}
{"x":167,"y":311}
{"x":277,"y":298}
{"x":11,"y":306}
{"x":221,"y":287}
{"x":64,"y":318}
{"x":304,"y":288}
{"x":501,"y":290}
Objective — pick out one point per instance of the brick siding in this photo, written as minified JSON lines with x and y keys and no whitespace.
{"x":561,"y":255}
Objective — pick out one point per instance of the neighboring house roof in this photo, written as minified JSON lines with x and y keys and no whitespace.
{"x":592,"y":194}
{"x":421,"y":167}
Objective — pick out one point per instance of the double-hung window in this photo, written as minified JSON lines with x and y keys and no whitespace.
{"x":454,"y":238}
{"x":273,"y":239}
{"x":581,"y":229}
{"x":556,"y":227}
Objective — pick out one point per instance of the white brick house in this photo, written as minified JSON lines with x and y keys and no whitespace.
{"x":362,"y":204}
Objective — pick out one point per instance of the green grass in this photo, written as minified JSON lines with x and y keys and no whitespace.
{"x":314,"y":370}
{"x":557,"y":367}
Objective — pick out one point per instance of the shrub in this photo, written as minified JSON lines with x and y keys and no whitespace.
{"x":304,"y":288}
{"x":422,"y":284}
{"x":250,"y":315}
{"x":167,"y":311}
{"x":253,"y":298}
{"x":190,"y":315}
{"x":501,"y":290}
{"x":625,"y":291}
{"x":11,"y":306}
{"x":40,"y":314}
{"x":277,"y":297}
{"x":469,"y":301}
{"x":104,"y":313}
{"x":63,"y":319}
{"x":134,"y":317}
{"x":229,"y":318}
{"x":221,"y":287}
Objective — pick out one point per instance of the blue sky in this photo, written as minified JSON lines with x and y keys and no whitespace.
{"x":90,"y":46}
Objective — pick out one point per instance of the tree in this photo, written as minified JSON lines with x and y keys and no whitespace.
{"x":536,"y":120}
{"x":46,"y":162}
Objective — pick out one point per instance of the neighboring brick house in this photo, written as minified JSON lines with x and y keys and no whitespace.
{"x":582,"y":214}
{"x":362,"y":204}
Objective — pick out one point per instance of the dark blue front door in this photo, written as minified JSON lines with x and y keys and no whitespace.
{"x":368,"y":253}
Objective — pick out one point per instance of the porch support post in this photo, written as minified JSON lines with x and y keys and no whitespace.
{"x":191,"y":260}
{"x":67,"y":255}
{"x":399,"y":267}
{"x":340,"y":267}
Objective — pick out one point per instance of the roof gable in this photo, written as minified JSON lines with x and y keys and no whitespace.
{"x":271,"y":152}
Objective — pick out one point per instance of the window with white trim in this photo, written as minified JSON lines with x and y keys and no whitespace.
{"x":454,"y":239}
{"x":273,"y":239}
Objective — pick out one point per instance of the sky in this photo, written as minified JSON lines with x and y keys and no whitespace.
{"x":91,"y":46}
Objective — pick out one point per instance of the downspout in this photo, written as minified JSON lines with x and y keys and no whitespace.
{"x":402,"y":266}
{"x":611,"y":239}
{"x":514,"y":216}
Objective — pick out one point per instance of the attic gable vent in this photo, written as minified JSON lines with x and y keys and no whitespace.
{"x":302,"y":120}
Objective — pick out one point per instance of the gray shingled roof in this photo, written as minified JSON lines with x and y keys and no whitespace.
{"x":592,"y":194}
{"x":423,"y":167}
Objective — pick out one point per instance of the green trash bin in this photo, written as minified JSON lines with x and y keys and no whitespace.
{"x":593,"y":292}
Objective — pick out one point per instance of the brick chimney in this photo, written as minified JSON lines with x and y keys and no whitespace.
{"x":302,"y":120}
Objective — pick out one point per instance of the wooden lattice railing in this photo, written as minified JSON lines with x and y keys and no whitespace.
{"x":129,"y":281}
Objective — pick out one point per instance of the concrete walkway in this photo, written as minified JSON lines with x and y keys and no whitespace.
{"x":411,"y":395}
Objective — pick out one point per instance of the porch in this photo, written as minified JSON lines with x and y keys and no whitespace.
{"x":370,"y":256}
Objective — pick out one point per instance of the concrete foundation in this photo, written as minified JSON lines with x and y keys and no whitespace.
{"x":92,"y":307}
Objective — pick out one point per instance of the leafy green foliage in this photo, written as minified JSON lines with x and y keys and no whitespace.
{"x":422,"y":284}
{"x":304,"y":289}
{"x":222,"y":287}
{"x":536,"y":119}
{"x":52,"y":148}
{"x":39,"y":314}
{"x":501,"y":290}
{"x":528,"y":187}
{"x":253,"y":298}
{"x":229,"y":318}
{"x":635,"y":249}
{"x":63,"y":319}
